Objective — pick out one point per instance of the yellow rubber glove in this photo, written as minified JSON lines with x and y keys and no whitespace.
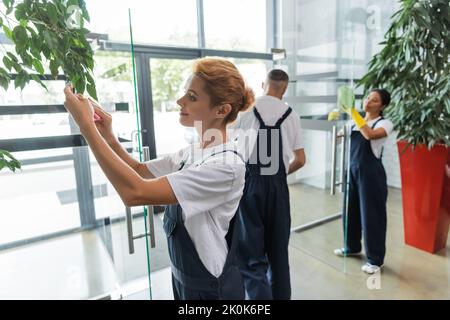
{"x":358,"y":119}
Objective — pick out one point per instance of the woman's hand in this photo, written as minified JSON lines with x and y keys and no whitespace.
{"x":104,"y":123}
{"x":80,"y":108}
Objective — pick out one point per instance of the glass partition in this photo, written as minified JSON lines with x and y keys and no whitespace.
{"x":64,"y":231}
{"x":328,"y":44}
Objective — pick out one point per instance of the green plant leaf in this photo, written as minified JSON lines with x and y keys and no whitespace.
{"x":52,"y":13}
{"x":4,"y":79}
{"x":80,"y":85}
{"x":9,"y":161}
{"x":36,"y":78}
{"x":413,"y":66}
{"x":22,"y":79}
{"x":20,"y":12}
{"x":7,"y":62}
{"x":51,"y":40}
{"x":90,"y":87}
{"x":82,"y":5}
{"x":20,"y":37}
{"x":9,"y":10}
{"x":42,"y":40}
{"x":8,"y":33}
{"x":38,"y":66}
{"x":54,"y":67}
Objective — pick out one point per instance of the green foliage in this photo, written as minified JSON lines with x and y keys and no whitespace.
{"x":414,"y":66}
{"x":50,"y":33}
{"x":8,"y":161}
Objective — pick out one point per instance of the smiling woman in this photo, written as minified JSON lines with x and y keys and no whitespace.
{"x":201,"y":185}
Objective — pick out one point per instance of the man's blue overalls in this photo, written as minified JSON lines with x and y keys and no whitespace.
{"x":190,"y":278}
{"x":366,"y":200}
{"x":266,"y":224}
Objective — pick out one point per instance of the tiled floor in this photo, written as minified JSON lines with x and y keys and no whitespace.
{"x":79,"y":266}
{"x":316,"y":273}
{"x":409,"y":273}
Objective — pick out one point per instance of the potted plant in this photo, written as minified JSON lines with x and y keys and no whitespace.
{"x":47,"y":33}
{"x":414,"y":66}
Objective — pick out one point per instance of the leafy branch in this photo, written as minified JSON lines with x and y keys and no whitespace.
{"x":46,"y":32}
{"x":414,"y":65}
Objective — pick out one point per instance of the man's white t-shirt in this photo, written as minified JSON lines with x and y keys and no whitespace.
{"x":271,"y":110}
{"x":377,"y":144}
{"x":208,"y":193}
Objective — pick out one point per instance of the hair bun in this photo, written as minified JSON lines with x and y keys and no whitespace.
{"x":248,"y":100}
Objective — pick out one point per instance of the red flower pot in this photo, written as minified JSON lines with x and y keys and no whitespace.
{"x":426,"y":196}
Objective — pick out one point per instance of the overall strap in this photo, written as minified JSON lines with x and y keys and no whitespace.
{"x":382,"y":149}
{"x":258,"y":116}
{"x":376,"y":122}
{"x":233,"y":240}
{"x":285,"y":115}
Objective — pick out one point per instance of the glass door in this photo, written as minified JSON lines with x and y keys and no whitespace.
{"x":63,"y":228}
{"x":168,"y":78}
{"x":317,"y":192}
{"x":73,"y":238}
{"x":128,"y":228}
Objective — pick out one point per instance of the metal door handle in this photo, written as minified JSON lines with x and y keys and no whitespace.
{"x":333,"y":161}
{"x":150,"y":209}
{"x":129,"y":219}
{"x":345,"y":138}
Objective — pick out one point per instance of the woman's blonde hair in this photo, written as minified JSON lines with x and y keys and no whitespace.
{"x":224,"y":85}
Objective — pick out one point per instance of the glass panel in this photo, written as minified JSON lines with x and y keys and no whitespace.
{"x":332,"y":43}
{"x":168,"y":79}
{"x":254,"y":72}
{"x":115,"y":70}
{"x":246,"y":32}
{"x":70,"y":240}
{"x":165,"y":110}
{"x":54,"y":202}
{"x":315,"y":212}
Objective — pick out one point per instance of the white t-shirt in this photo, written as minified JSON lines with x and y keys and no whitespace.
{"x":208,"y":194}
{"x":271,"y":110}
{"x":377,"y":144}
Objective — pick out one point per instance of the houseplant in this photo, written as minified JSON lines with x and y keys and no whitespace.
{"x":414,"y":66}
{"x":46,"y":35}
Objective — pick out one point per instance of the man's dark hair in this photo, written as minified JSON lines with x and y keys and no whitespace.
{"x":278,"y":75}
